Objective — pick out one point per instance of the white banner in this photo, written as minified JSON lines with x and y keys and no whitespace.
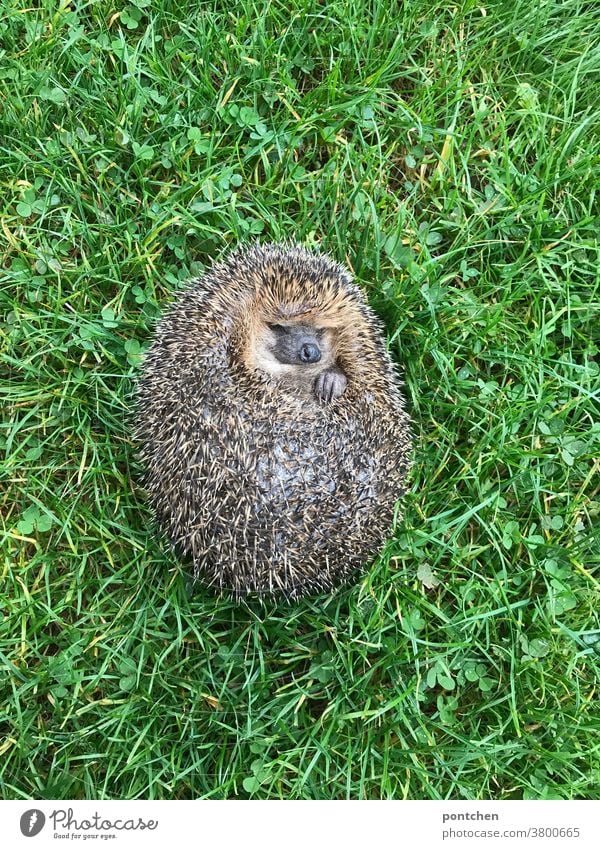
{"x":284,"y":825}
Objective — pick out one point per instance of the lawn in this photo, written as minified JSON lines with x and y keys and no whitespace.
{"x":448,"y":153}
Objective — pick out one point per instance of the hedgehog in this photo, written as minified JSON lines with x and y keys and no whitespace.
{"x":271,"y":425}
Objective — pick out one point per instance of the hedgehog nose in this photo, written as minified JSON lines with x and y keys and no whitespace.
{"x":310,"y":353}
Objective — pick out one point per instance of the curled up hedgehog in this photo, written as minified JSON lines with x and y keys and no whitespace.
{"x":271,"y":425}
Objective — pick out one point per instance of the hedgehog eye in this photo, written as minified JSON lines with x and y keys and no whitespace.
{"x":320,"y":331}
{"x":276,"y":327}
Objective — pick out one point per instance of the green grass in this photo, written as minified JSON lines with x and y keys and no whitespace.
{"x":449,"y":154}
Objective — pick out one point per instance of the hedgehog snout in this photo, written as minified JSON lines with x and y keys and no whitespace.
{"x":309,"y":353}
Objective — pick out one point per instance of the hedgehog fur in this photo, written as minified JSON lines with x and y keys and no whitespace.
{"x":264,"y":490}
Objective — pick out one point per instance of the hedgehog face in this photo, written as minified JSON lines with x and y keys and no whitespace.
{"x":294,"y":350}
{"x":298,"y":344}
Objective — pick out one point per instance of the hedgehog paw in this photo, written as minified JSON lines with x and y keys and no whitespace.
{"x":330,"y":384}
